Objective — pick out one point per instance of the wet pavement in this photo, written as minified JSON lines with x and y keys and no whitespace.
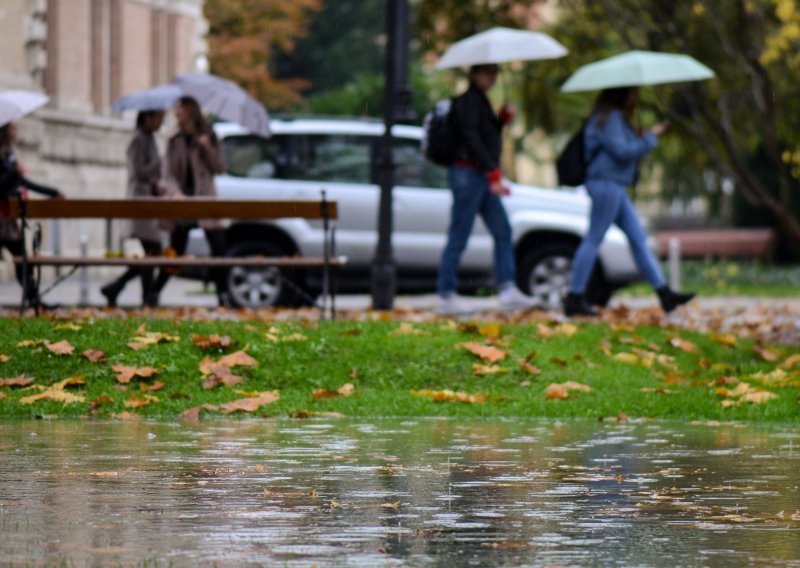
{"x":394,"y":492}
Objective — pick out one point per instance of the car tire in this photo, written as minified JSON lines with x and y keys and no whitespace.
{"x":266,"y":287}
{"x":544,"y":273}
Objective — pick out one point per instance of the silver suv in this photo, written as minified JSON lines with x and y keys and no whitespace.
{"x":305,"y":156}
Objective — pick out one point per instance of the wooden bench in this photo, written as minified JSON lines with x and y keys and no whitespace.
{"x":721,"y":243}
{"x":186,"y":209}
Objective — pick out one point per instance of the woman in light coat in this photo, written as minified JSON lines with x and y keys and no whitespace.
{"x":193,"y":157}
{"x":144,"y":174}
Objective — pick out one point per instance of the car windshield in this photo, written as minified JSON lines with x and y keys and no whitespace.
{"x":340,"y":158}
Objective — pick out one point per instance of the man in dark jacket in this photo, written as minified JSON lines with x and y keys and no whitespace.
{"x":477,"y":184}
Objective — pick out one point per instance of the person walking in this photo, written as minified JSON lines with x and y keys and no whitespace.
{"x":14,"y":184}
{"x":192,"y":159}
{"x":477,"y":184}
{"x":613,"y":147}
{"x":144,"y":174}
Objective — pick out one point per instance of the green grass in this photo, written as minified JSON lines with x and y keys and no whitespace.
{"x":385,"y":367}
{"x":732,"y":279}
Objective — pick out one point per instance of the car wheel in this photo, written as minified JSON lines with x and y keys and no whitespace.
{"x":261,"y":287}
{"x":544,"y":273}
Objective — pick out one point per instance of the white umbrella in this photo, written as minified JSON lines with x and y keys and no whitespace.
{"x":16,"y":104}
{"x":499,"y":45}
{"x":161,"y":97}
{"x":225,"y":99}
{"x":635,"y":68}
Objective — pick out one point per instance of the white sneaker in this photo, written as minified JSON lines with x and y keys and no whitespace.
{"x":511,"y":298}
{"x":452,"y":305}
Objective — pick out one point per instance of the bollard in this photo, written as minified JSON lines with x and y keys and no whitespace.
{"x":84,"y":291}
{"x":674,"y":256}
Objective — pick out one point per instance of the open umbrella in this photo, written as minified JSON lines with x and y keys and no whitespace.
{"x":16,"y":104}
{"x":499,"y":45}
{"x":225,"y":99}
{"x":161,"y":97}
{"x":635,"y":68}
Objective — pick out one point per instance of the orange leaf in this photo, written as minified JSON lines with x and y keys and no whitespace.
{"x":126,"y":374}
{"x":556,"y":391}
{"x":683,"y":345}
{"x":21,"y":381}
{"x":765,"y":353}
{"x":485,"y":352}
{"x":451,"y":396}
{"x":94,"y":355}
{"x":214,"y":341}
{"x":157,"y":385}
{"x":251,"y":404}
{"x":239,"y":358}
{"x":345,"y":390}
{"x":139,"y":401}
{"x":528,"y":368}
{"x":60,"y":348}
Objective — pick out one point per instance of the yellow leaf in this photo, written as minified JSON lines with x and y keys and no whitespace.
{"x":487,"y":370}
{"x":791,"y":362}
{"x":485,"y":352}
{"x":450,"y":396}
{"x":407,"y":328}
{"x":67,"y":327}
{"x":729,"y":340}
{"x":4,"y":358}
{"x":57,"y":393}
{"x":562,"y":390}
{"x":627,"y":358}
{"x":758,"y":397}
{"x":139,"y":401}
{"x":491,"y":330}
{"x":30,"y":343}
{"x":765,"y":353}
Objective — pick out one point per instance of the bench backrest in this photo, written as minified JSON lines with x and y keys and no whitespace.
{"x":189,"y":208}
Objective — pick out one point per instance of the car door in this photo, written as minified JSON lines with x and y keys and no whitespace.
{"x":422,"y":203}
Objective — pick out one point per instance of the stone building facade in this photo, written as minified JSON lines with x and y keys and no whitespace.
{"x":85,"y":54}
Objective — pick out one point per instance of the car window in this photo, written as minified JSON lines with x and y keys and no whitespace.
{"x":413,"y":170}
{"x":330,"y":157}
{"x":255,"y":157}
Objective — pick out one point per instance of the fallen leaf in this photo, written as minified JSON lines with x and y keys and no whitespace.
{"x":151,"y":338}
{"x":126,"y":374}
{"x":4,"y":358}
{"x":544,"y":331}
{"x":683,"y":345}
{"x":791,"y":362}
{"x":2,"y":395}
{"x":94,"y":355}
{"x":729,"y":340}
{"x":57,"y":393}
{"x":67,"y":327}
{"x":30,"y":343}
{"x":658,"y":390}
{"x":157,"y":385}
{"x":407,"y":328}
{"x":60,"y":348}
{"x":251,"y":404}
{"x":214,"y":341}
{"x":450,"y":396}
{"x":758,"y":397}
{"x":562,"y":390}
{"x":345,"y":390}
{"x":99,"y":401}
{"x":765,"y":353}
{"x":21,"y":381}
{"x":487,"y":370}
{"x":491,"y":330}
{"x":485,"y":352}
{"x":140,"y":401}
{"x":559,"y":362}
{"x":528,"y":368}
{"x":238,"y":358}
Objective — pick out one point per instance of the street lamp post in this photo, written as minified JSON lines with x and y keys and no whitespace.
{"x":397,"y":107}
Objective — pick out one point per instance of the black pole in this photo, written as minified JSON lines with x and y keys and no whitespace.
{"x":397,"y":98}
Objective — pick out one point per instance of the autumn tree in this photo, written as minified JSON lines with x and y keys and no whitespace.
{"x":245,"y":37}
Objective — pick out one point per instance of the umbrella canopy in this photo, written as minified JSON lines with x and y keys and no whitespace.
{"x":499,"y":45}
{"x":16,"y":104}
{"x":636,"y":68}
{"x":225,"y":99}
{"x":161,"y":97}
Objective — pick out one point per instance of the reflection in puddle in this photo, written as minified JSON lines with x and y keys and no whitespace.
{"x":398,"y":493}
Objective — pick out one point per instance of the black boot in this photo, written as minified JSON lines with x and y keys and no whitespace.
{"x":671,"y":299}
{"x":576,"y":305}
{"x":111,"y":291}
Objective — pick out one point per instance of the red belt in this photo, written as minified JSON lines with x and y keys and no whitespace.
{"x":466,"y":164}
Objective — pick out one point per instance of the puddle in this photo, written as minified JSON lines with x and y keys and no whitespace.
{"x":398,"y":493}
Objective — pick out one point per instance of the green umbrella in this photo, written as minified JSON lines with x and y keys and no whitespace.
{"x":636,"y":68}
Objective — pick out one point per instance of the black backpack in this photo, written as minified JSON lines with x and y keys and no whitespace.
{"x":439,"y":137}
{"x":572,"y":163}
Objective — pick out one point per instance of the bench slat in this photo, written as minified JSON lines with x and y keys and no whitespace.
{"x":156,"y":208}
{"x":183,"y":261}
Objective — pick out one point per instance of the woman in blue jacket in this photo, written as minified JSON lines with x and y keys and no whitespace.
{"x":613,"y":148}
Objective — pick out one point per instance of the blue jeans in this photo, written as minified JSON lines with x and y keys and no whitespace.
{"x":471,"y":196}
{"x":610,"y":204}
